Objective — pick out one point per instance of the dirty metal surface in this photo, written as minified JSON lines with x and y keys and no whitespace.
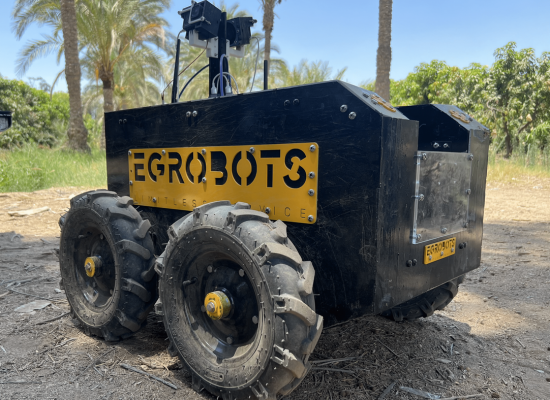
{"x":442,"y":193}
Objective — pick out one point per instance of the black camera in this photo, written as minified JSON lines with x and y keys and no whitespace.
{"x":203,"y":17}
{"x":238,"y":31}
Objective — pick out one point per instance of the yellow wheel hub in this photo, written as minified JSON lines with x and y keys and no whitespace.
{"x":90,"y":266}
{"x":217,"y":305}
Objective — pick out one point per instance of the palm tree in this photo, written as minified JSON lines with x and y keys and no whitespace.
{"x":77,"y":132}
{"x":383,"y":56}
{"x":109,"y":32}
{"x":22,"y":13}
{"x":268,"y":7}
{"x":305,"y":72}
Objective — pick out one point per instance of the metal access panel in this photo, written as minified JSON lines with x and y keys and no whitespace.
{"x":442,"y":193}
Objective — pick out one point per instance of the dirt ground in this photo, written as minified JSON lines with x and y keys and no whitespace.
{"x":493,"y":341}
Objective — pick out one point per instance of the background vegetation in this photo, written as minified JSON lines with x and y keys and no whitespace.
{"x":127,"y":56}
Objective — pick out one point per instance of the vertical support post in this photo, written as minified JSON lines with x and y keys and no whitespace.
{"x":176,"y":73}
{"x":214,"y":63}
{"x":266,"y":74}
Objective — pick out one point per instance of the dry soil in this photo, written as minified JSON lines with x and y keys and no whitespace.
{"x":492,"y":341}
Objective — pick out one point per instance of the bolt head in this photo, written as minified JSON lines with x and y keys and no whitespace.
{"x":252,"y":150}
{"x":286,"y":103}
{"x":204,"y":180}
{"x":414,"y":262}
{"x":312,"y":174}
{"x":366,"y":95}
{"x":267,"y":210}
{"x":209,"y":268}
{"x":409,"y":263}
{"x":435,"y":145}
{"x":296,"y":102}
{"x":241,"y":273}
{"x":129,"y":152}
{"x":343,"y":108}
{"x":352,"y":115}
{"x":195,"y":113}
{"x":421,"y":197}
{"x":310,"y":218}
{"x":442,"y":253}
{"x":229,"y":340}
{"x":445,"y":145}
{"x":188,"y":114}
{"x":203,"y":151}
{"x":163,"y":152}
{"x":311,"y":192}
{"x":211,"y":307}
{"x":312,"y":147}
{"x":452,"y":249}
{"x":418,"y":237}
{"x":424,"y":156}
{"x":444,"y":230}
{"x":124,"y":121}
{"x":254,"y":319}
{"x":468,"y":191}
{"x":430,"y":257}
{"x":131,"y":183}
{"x":471,"y":157}
{"x":154,"y":199}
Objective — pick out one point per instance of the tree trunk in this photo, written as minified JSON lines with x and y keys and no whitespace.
{"x":268,"y":21}
{"x":108,"y":103}
{"x":77,"y":132}
{"x":383,"y":56}
{"x":507,"y":140}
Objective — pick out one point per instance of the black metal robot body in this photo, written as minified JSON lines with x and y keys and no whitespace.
{"x":362,"y":244}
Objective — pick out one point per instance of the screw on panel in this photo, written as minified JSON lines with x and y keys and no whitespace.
{"x":252,"y":150}
{"x":119,"y":121}
{"x":465,"y":225}
{"x":287,"y":103}
{"x":296,"y":102}
{"x":424,"y":156}
{"x":414,"y":262}
{"x":209,"y":269}
{"x":442,"y":253}
{"x":435,"y":145}
{"x":310,"y":218}
{"x":418,"y":237}
{"x":203,"y":151}
{"x":312,"y":174}
{"x":430,"y":257}
{"x":312,"y":148}
{"x":444,"y":230}
{"x":311,"y":192}
{"x":131,"y":183}
{"x":374,"y":101}
{"x":154,"y":199}
{"x":124,"y":121}
{"x":267,"y":210}
{"x":129,"y":153}
{"x":352,"y":115}
{"x":445,"y":145}
{"x":409,"y":263}
{"x":203,"y":180}
{"x":420,"y":197}
{"x":468,"y":191}
{"x":188,"y":114}
{"x":343,"y":108}
{"x":471,"y":157}
{"x":452,"y":249}
{"x":195,"y":113}
{"x":366,"y":95}
{"x":163,"y":152}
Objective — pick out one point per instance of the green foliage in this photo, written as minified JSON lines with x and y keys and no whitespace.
{"x":512,"y":96}
{"x":36,"y":119}
{"x":32,"y":168}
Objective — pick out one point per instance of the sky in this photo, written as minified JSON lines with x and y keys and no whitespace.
{"x":345,"y":33}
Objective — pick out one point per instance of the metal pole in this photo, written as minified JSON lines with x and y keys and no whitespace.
{"x":266,"y":74}
{"x":214,"y":63}
{"x":176,"y":73}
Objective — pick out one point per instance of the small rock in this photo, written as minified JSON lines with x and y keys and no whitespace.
{"x":547,"y":379}
{"x":495,"y":395}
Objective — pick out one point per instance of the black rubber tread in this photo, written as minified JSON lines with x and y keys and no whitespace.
{"x":288,"y":329}
{"x":426,"y":304}
{"x":133,"y":297}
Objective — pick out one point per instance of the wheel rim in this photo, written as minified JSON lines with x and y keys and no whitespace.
{"x":97,"y":289}
{"x":233,"y":334}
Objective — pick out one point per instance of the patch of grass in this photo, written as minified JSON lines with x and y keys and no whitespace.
{"x":523,"y":167}
{"x":32,"y":168}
